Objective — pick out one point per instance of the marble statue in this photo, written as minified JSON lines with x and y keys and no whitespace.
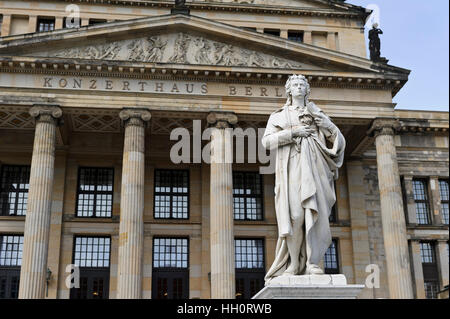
{"x":310,"y":149}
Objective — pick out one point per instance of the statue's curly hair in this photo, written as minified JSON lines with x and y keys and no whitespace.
{"x":288,"y":88}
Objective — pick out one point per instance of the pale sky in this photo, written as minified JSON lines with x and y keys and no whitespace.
{"x":416,"y":37}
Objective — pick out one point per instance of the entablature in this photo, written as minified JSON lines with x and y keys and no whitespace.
{"x":332,"y":9}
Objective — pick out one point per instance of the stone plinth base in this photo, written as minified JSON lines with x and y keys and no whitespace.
{"x":309,"y":287}
{"x":180,"y":10}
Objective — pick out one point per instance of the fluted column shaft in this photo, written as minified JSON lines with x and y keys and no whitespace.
{"x":37,"y":222}
{"x":221,"y":213}
{"x":131,"y":232}
{"x":392,"y":212}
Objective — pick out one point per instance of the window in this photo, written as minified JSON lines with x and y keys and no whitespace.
{"x":295,"y":36}
{"x":443,"y":190}
{"x":14,"y":185}
{"x":247,"y":196}
{"x":96,"y":21}
{"x":95,"y":192}
{"x":420,"y":192}
{"x":430,"y":271}
{"x":92,"y":255}
{"x":331,"y":260}
{"x":170,"y":278}
{"x":11,"y":247}
{"x":249,"y":261}
{"x":250,"y":29}
{"x":45,"y":24}
{"x":171,"y":194}
{"x":274,"y":32}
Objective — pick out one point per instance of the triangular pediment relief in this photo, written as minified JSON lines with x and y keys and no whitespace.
{"x":182,"y":40}
{"x":179,"y":48}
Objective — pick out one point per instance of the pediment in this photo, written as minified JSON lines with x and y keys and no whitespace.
{"x":178,"y":48}
{"x":185,"y":40}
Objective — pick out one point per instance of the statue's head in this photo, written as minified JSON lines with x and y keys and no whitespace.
{"x":297,"y":86}
{"x":375,"y":25}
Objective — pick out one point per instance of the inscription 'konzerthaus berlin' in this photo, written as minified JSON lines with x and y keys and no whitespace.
{"x":141,"y":86}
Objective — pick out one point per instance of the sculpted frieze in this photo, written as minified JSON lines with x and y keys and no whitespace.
{"x":178,"y":48}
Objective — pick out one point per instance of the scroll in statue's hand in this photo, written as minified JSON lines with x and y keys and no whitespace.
{"x":301,"y":131}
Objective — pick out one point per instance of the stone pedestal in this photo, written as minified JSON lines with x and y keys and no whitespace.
{"x":131,"y":233}
{"x":221,"y":213}
{"x":37,"y":223}
{"x":309,"y":287}
{"x":180,"y":10}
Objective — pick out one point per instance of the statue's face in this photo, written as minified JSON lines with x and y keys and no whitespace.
{"x":298,"y":88}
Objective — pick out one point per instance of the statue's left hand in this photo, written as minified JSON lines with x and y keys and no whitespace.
{"x":323,"y":121}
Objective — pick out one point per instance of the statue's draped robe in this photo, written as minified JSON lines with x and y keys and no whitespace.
{"x":319,"y":169}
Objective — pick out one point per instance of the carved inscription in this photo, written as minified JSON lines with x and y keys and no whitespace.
{"x":167,"y":87}
{"x":144,"y":86}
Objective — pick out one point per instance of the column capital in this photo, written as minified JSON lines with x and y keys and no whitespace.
{"x":46,"y":113}
{"x":384,"y":126}
{"x":131,"y":116}
{"x":222,"y":120}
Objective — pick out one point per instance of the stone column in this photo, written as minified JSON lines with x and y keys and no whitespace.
{"x":37,"y":222}
{"x":131,"y":232}
{"x":221,"y":212}
{"x":392,"y":213}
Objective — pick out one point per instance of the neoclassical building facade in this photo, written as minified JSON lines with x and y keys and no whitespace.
{"x":92,"y":204}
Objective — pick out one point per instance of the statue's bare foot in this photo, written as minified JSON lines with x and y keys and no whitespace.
{"x":313,"y":269}
{"x":292,"y":270}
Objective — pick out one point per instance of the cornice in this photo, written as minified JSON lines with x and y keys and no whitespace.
{"x":189,"y":72}
{"x":344,"y":11}
{"x":396,"y":126}
{"x":423,"y":126}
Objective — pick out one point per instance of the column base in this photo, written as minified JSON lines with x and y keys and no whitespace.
{"x":309,"y":287}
